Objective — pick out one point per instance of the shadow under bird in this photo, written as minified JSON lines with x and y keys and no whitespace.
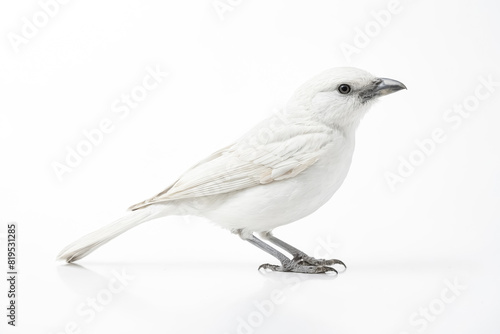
{"x":282,"y":170}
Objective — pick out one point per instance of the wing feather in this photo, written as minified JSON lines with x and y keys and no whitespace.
{"x":251,"y":161}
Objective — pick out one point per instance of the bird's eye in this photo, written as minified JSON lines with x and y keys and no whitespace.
{"x":344,"y":89}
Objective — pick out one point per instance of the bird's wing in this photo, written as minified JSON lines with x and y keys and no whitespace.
{"x":255,"y":159}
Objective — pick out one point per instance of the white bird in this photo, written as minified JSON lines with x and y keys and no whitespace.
{"x":282,"y":170}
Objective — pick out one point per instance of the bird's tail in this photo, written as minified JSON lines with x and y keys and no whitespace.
{"x":90,"y":242}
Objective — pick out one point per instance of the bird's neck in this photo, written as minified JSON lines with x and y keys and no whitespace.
{"x":349,"y":129}
{"x":340,"y":122}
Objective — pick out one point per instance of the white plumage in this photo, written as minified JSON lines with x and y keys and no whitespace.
{"x":280,"y":171}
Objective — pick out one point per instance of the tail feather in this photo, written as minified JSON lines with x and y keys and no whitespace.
{"x":90,"y":242}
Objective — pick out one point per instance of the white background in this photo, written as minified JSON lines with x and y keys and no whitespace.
{"x":402,"y":245}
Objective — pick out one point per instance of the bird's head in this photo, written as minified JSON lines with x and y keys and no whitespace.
{"x":340,"y":96}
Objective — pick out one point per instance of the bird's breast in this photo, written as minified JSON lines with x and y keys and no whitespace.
{"x":325,"y":177}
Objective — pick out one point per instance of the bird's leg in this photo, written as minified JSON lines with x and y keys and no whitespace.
{"x":299,"y":256}
{"x":287,"y":265}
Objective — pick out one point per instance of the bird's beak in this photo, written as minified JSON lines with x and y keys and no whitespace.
{"x":381,"y":87}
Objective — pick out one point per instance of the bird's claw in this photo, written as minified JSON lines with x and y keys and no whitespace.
{"x":309,"y":260}
{"x":298,"y":268}
{"x":268,"y":266}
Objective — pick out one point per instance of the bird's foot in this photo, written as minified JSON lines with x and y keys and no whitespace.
{"x":295,"y":267}
{"x":311,"y":261}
